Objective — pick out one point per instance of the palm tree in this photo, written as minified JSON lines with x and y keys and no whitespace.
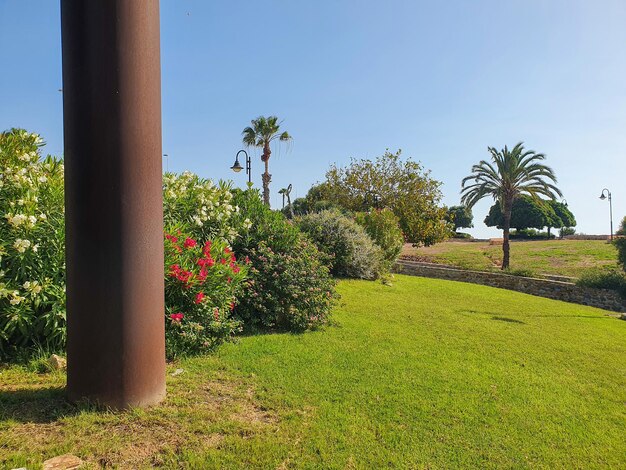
{"x":261,"y":134}
{"x":509,"y":175}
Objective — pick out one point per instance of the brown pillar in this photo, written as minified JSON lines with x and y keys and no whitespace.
{"x":114,"y":212}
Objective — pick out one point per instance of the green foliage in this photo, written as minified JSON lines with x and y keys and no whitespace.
{"x":199,"y":207}
{"x":520,"y":272}
{"x":509,"y":175}
{"x":389,"y":182}
{"x":289,"y":286}
{"x":460,"y":216}
{"x":604,"y":279}
{"x":352,"y":252}
{"x":622,"y":228}
{"x":262,"y":133}
{"x":563,"y":216}
{"x":202,"y":282}
{"x":384,"y":228}
{"x":526,"y":212}
{"x":565,"y":231}
{"x":530,"y":234}
{"x":32,"y":249}
{"x":620,"y":244}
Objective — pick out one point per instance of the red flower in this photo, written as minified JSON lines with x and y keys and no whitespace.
{"x":190,"y":243}
{"x":216,"y":313}
{"x":177,"y":317}
{"x":199,"y":297}
{"x":236,"y":269}
{"x":227,"y":250}
{"x":207,"y":249}
{"x":247,"y":260}
{"x":229,"y":280}
{"x":232,"y":306}
{"x":172,"y":238}
{"x":223,"y":261}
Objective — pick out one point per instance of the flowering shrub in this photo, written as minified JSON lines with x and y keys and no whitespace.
{"x":383,"y":226}
{"x":202,"y":282}
{"x":352,"y":252}
{"x":289,"y":285}
{"x":202,"y":208}
{"x":32,"y":251}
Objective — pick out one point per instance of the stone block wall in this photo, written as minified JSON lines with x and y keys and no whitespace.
{"x":557,"y":290}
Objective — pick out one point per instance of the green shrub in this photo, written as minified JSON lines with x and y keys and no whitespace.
{"x":202,"y":282}
{"x":352,"y":252}
{"x":622,"y":228}
{"x":383,"y":227}
{"x":620,"y":244}
{"x":530,"y":234}
{"x":32,"y":250}
{"x":289,"y":285}
{"x":567,"y":231}
{"x":521,"y":272}
{"x":604,"y":279}
{"x":462,"y":235}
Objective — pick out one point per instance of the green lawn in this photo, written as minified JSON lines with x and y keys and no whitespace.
{"x":552,"y":257}
{"x":422,"y":374}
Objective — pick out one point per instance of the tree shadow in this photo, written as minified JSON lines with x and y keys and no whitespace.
{"x":37,"y":405}
{"x":508,"y":320}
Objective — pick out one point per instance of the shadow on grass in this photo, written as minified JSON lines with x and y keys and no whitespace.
{"x":41,"y":405}
{"x":508,"y":320}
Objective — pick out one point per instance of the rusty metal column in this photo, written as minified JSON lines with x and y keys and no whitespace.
{"x":114,"y":212}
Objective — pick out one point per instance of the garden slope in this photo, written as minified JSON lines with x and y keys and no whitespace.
{"x":423,"y":374}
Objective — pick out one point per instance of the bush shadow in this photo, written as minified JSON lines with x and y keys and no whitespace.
{"x":37,"y":405}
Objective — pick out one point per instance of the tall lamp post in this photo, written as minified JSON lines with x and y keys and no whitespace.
{"x":603,"y":197}
{"x":237,"y":166}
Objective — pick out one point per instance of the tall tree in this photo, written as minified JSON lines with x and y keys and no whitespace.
{"x":460,"y":216}
{"x":261,"y":134}
{"x":510,"y":174}
{"x":389,"y":181}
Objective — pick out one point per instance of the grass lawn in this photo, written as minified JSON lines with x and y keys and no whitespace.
{"x":553,"y":257}
{"x":423,"y":374}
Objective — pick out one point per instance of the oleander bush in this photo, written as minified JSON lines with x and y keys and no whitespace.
{"x":289,"y":285}
{"x":351,"y":251}
{"x":32,"y":251}
{"x":202,"y":284}
{"x":383,"y":226}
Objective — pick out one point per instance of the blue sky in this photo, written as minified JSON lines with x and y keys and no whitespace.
{"x":440,"y":80}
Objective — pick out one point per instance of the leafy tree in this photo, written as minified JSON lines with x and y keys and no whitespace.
{"x":261,"y":134}
{"x":390,"y":182}
{"x":460,"y":216}
{"x":563,"y":216}
{"x":526,"y":212}
{"x":510,"y":174}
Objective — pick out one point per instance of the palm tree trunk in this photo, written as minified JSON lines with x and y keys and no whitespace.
{"x":267,"y":178}
{"x":506,"y":249}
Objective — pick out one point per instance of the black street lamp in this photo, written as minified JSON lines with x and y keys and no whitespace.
{"x":603,"y":197}
{"x":237,"y":166}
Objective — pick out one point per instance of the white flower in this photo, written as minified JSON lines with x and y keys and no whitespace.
{"x":43,"y":216}
{"x":42,"y":179}
{"x":247,"y":224}
{"x":21,"y":245}
{"x":26,"y":285}
{"x":16,"y":220}
{"x":32,"y":219}
{"x":15,"y":298}
{"x":35,"y":247}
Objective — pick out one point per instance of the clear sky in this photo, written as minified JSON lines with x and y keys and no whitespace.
{"x":440,"y":80}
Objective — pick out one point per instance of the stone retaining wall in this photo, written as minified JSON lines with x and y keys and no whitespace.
{"x":565,"y":291}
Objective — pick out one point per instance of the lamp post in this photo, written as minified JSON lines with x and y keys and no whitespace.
{"x":603,"y":197}
{"x":167,"y":162}
{"x":237,"y":166}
